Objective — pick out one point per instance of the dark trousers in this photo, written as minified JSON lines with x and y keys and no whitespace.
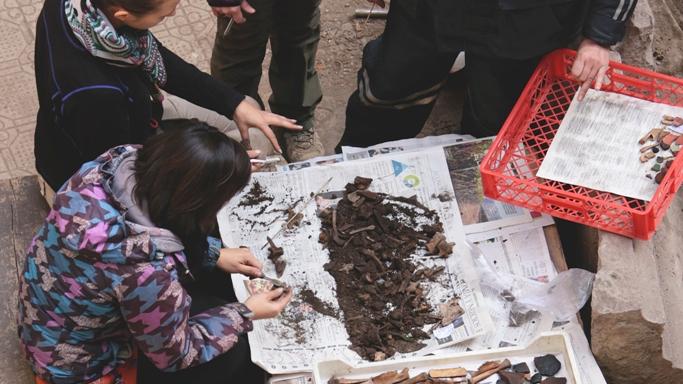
{"x":402,"y":72}
{"x":293,"y":28}
{"x":232,"y":367}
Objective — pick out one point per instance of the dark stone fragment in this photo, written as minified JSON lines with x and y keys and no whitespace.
{"x":535,"y":379}
{"x":655,"y":149}
{"x":659,"y":159}
{"x":512,"y":377}
{"x":554,"y":380}
{"x":547,"y":365}
{"x":521,"y":368}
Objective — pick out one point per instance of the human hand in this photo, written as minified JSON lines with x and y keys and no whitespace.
{"x":592,"y":61}
{"x":247,"y":115}
{"x":239,"y":260}
{"x":268,"y":304}
{"x":381,"y":3}
{"x":234,"y":13}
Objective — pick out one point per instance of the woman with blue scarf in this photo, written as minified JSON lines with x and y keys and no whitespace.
{"x":99,"y":74}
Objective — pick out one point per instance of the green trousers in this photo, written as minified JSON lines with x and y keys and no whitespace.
{"x":294,"y":31}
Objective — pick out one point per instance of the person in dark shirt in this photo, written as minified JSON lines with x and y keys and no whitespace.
{"x":99,"y":75}
{"x":503,"y":40}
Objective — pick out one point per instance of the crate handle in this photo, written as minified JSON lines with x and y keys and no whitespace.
{"x":563,"y":202}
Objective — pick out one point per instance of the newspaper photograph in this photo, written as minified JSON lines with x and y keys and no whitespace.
{"x":479,"y":213}
{"x":616,"y":122}
{"x":302,"y":334}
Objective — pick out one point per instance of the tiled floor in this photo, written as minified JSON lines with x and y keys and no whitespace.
{"x":17,"y":87}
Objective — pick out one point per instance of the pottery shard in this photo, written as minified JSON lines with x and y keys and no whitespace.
{"x":554,"y":380}
{"x":362,"y":183}
{"x":450,"y":311}
{"x":512,"y":377}
{"x":536,"y":379}
{"x":448,"y":372}
{"x":439,"y":245}
{"x":521,"y":368}
{"x":547,"y":365}
{"x":391,"y":377}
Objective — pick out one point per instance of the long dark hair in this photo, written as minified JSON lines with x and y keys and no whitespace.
{"x":185,"y":175}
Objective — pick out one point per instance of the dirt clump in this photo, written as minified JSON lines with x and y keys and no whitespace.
{"x":371,"y":238}
{"x":308,"y":296}
{"x":256,"y":195}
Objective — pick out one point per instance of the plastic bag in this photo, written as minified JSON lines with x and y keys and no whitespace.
{"x":564,"y":296}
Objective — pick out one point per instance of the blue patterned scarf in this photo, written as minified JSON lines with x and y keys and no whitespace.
{"x":120,"y":48}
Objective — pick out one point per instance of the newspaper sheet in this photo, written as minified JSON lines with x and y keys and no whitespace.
{"x":314,"y":162}
{"x":405,"y":145}
{"x":291,"y":342}
{"x":597,"y":146}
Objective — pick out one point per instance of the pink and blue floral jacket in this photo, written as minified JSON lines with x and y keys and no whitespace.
{"x":96,"y":287}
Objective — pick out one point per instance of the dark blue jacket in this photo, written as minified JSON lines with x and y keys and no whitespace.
{"x":522,"y":29}
{"x":88,"y":106}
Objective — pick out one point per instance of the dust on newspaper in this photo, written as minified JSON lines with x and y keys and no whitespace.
{"x":597,"y":146}
{"x":301,"y":335}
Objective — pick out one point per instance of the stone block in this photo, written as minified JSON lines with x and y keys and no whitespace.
{"x":637,"y":304}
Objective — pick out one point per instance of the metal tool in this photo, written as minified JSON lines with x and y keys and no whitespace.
{"x":299,"y":211}
{"x":267,"y":160}
{"x":369,"y":14}
{"x":227,"y":29}
{"x":276,"y":283}
{"x":372,"y":13}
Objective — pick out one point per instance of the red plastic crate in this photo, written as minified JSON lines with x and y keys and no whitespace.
{"x":509,"y":168}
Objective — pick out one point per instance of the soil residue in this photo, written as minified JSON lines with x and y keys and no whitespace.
{"x":371,"y":238}
{"x":308,"y":296}
{"x":256,"y":195}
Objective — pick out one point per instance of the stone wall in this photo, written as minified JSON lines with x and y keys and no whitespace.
{"x":637,"y":304}
{"x":654,"y":37}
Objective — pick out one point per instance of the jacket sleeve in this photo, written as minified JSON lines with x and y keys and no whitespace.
{"x":606,"y":19}
{"x":157,"y":311}
{"x":96,"y":120}
{"x":187,"y":81}
{"x":224,"y":3}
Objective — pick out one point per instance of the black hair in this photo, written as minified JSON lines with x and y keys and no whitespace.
{"x":185,"y":175}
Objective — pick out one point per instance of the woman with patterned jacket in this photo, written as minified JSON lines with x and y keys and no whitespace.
{"x":109,"y":274}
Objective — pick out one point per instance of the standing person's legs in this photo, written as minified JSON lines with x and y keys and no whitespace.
{"x":493,"y":86}
{"x":237,"y":57}
{"x":292,"y":74}
{"x":400,"y":78}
